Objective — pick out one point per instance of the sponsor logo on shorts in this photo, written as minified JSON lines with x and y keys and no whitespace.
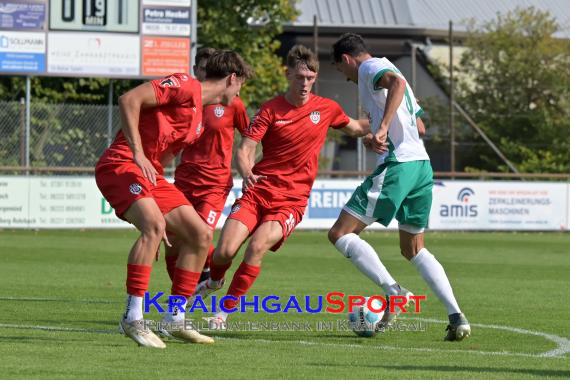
{"x":290,"y":224}
{"x":135,"y":188}
{"x":219,"y":111}
{"x":169,"y":82}
{"x":235,"y":209}
{"x":199,"y":128}
{"x":283,"y":122}
{"x":315,"y":117}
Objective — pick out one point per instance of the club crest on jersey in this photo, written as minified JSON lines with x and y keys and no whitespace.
{"x":219,"y":111}
{"x":235,"y":209}
{"x":135,"y":188}
{"x":315,"y":117}
{"x":169,"y":82}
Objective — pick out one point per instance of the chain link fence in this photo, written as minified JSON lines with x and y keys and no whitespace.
{"x":61,"y":135}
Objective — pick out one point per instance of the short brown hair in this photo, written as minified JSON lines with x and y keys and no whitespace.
{"x":203,"y":55}
{"x":302,"y":55}
{"x":225,"y":62}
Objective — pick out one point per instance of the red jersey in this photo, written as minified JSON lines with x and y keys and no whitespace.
{"x":174,"y":123}
{"x":292,"y":138}
{"x":208,"y":163}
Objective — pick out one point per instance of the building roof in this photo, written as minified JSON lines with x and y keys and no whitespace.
{"x":419,"y":15}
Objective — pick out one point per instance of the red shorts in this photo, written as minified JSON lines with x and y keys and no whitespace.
{"x":208,"y":203}
{"x":252,"y":211}
{"x":122,"y":183}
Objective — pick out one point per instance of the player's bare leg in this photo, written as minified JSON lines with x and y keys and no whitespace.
{"x":233,"y":235}
{"x":194,"y":237}
{"x":413,"y":249}
{"x":147,"y":217}
{"x":344,"y":234}
{"x":265,"y":236}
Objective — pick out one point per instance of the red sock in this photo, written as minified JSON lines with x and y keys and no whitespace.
{"x":138,"y":277}
{"x":184,"y":282}
{"x":209,"y":258}
{"x":243,"y":279}
{"x":217,"y":272}
{"x":170,"y":265}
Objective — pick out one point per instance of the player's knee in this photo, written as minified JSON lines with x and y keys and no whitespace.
{"x":256,"y":248}
{"x":224,"y":253}
{"x":203,"y":238}
{"x":407,"y":253}
{"x":154,"y":229}
{"x":334,"y":234}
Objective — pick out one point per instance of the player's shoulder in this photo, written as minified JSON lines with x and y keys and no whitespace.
{"x":374,"y":64}
{"x":274,"y":104}
{"x":178,"y":80}
{"x":324,"y":102}
{"x":237,"y":104}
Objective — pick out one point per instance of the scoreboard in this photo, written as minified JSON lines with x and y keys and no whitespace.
{"x":96,"y":38}
{"x":94,"y":15}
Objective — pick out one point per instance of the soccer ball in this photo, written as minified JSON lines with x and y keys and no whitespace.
{"x":364,"y":321}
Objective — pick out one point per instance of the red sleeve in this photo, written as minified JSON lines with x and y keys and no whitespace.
{"x":241,"y":120}
{"x":176,"y":88}
{"x":339,"y":119}
{"x":259,"y":124}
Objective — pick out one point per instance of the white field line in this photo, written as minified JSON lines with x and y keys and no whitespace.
{"x":562,"y":343}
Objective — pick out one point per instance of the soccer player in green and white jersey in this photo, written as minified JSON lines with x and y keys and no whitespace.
{"x":401,"y":185}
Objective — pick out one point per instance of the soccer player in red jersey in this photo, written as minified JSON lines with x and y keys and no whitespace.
{"x":204,"y":173}
{"x":160,"y":118}
{"x":292,"y":129}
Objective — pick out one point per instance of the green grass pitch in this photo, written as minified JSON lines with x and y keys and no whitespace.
{"x":62,"y":294}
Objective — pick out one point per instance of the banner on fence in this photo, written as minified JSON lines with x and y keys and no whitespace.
{"x":75,"y":202}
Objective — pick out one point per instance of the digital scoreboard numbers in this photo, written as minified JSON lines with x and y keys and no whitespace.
{"x":95,"y":15}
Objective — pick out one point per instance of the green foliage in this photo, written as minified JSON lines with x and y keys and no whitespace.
{"x":515,"y":82}
{"x":225,"y":25}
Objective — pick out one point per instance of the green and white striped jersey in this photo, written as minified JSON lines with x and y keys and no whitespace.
{"x":403,"y":138}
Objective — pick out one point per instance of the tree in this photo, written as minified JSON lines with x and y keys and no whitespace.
{"x":515,"y":82}
{"x":222,"y":24}
{"x":228,"y":25}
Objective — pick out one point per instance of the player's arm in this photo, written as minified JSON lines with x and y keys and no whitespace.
{"x":356,"y":128}
{"x":396,"y":87}
{"x":245,"y":160}
{"x":130,"y":105}
{"x":421,"y":126}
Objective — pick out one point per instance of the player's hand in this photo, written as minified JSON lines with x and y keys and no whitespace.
{"x":379,"y":144}
{"x":166,"y":242}
{"x":251,"y":180}
{"x":147,"y":168}
{"x":367,"y":141}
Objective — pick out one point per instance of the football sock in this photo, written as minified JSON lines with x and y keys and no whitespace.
{"x":171,"y":265}
{"x":243,"y":280}
{"x":133,"y":311}
{"x":138,"y":277}
{"x":217,"y":272}
{"x":183,"y":285}
{"x":364,"y":257}
{"x":434,"y":275}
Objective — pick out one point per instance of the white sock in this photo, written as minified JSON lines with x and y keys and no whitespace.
{"x":176,"y":315}
{"x":222,"y":314}
{"x":365,"y":258}
{"x":133,"y":311}
{"x":434,"y":274}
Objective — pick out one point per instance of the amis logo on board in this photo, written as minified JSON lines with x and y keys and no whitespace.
{"x":463,"y":208}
